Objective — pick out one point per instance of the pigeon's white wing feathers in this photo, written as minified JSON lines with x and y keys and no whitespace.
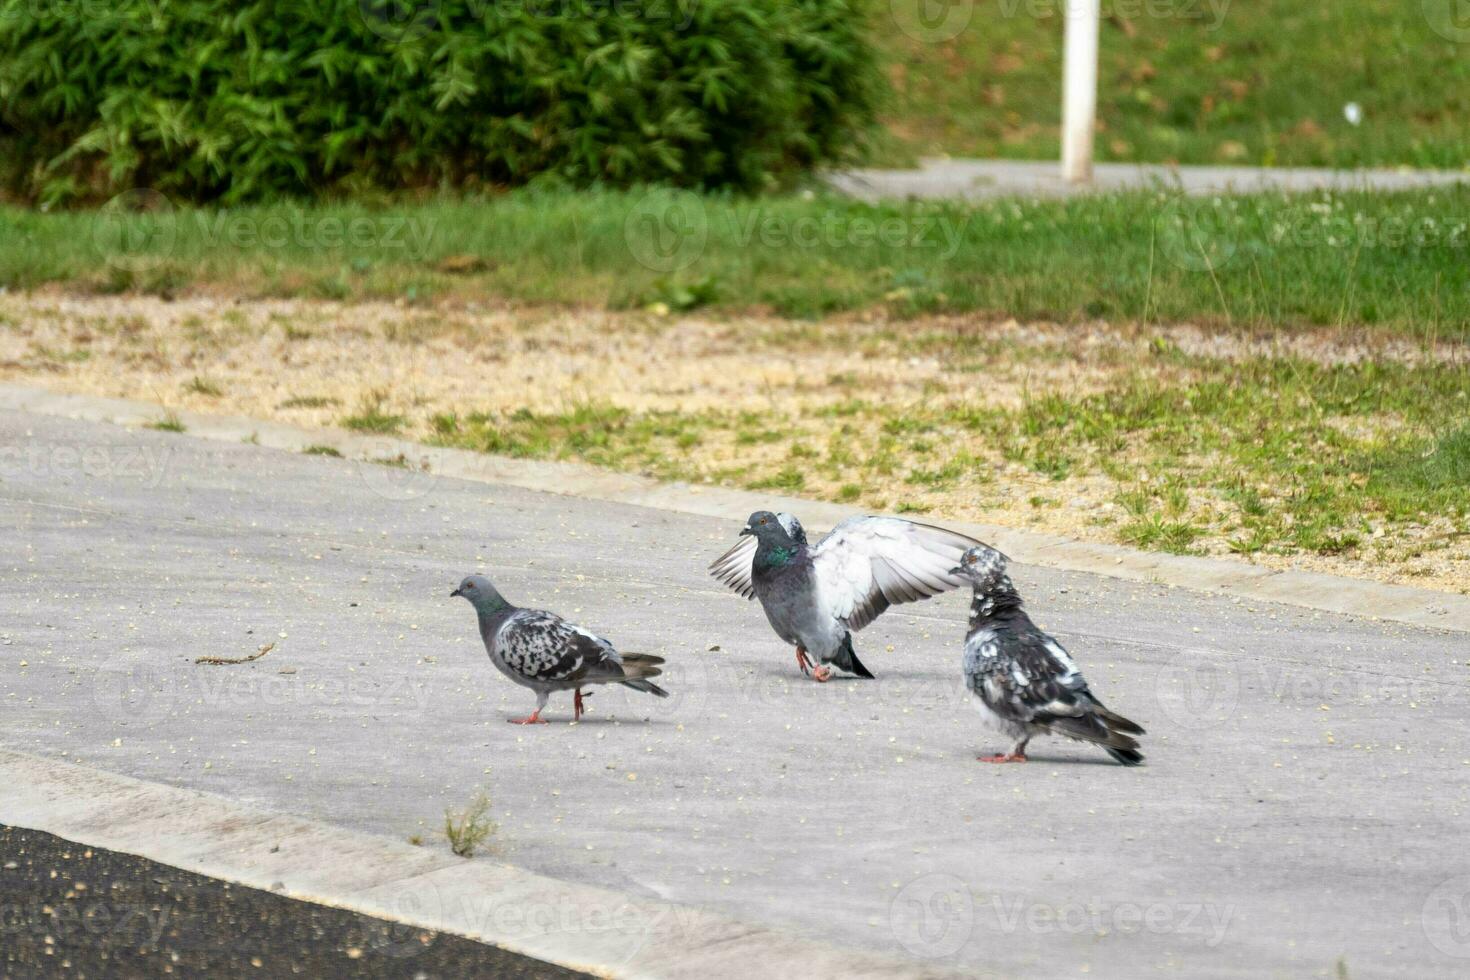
{"x":867,"y":564}
{"x":733,"y":568}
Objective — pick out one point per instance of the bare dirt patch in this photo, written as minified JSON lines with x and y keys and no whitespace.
{"x":842,"y":409}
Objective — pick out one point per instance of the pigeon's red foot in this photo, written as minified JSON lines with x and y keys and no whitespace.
{"x":579,"y":704}
{"x":822,"y":674}
{"x":803,"y":661}
{"x":534,"y":718}
{"x":1001,"y":757}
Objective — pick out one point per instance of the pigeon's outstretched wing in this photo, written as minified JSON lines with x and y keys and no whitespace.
{"x":733,"y":568}
{"x":543,"y":647}
{"x":867,"y":564}
{"x":1030,"y":679}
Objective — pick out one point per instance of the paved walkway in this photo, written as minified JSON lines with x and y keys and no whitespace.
{"x":1031,"y":178}
{"x":1302,"y":812}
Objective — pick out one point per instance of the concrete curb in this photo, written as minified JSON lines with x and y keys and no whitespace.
{"x":1312,"y":590}
{"x":577,"y":926}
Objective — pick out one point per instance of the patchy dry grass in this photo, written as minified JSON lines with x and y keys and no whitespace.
{"x":1340,"y":452}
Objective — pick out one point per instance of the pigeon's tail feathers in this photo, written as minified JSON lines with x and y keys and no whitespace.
{"x":1127,"y":757}
{"x":847,"y":659}
{"x":1117,"y":722}
{"x":648,"y":687}
{"x":1092,"y":727}
{"x":638,"y":667}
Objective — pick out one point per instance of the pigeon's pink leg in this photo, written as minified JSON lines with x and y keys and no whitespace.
{"x":578,"y":704}
{"x":1014,"y":757}
{"x":803,"y":661}
{"x":534,"y":718}
{"x":822,"y":674}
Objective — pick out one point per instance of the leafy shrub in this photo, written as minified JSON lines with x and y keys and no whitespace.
{"x":264,"y":98}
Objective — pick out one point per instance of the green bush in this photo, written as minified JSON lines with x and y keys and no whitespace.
{"x":256,"y":100}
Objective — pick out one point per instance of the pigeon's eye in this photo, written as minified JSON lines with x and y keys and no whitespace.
{"x":763,"y":520}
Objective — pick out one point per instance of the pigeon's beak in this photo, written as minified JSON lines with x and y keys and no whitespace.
{"x":744,"y":531}
{"x":456,"y":592}
{"x":958,"y":570}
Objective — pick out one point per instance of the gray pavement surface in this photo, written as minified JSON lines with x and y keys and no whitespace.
{"x":1302,"y":813}
{"x":942,"y":178}
{"x":67,"y":910}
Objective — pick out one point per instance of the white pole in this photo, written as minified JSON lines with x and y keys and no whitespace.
{"x":1079,"y":89}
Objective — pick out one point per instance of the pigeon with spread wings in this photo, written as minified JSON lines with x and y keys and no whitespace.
{"x":544,"y":652}
{"x":816,"y":597}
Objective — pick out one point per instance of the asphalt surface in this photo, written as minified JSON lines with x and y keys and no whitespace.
{"x":67,"y":910}
{"x":1302,"y":812}
{"x":978,"y":179}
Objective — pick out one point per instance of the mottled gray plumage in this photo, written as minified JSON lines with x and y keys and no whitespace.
{"x":1026,"y":682}
{"x":815,"y":598}
{"x":544,"y":652}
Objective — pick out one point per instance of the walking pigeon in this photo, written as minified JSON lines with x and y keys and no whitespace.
{"x":544,"y":652}
{"x":1027,"y":684}
{"x":816,"y":598}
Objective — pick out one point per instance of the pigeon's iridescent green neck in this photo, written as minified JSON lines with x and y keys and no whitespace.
{"x":489,"y":605}
{"x":775,"y":556}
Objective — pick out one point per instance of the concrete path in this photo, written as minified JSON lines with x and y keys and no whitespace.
{"x":1042,"y":178}
{"x":1302,"y":813}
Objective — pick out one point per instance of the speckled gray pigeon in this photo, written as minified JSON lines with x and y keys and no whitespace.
{"x":1027,"y":683}
{"x":544,"y":652}
{"x":816,"y":597}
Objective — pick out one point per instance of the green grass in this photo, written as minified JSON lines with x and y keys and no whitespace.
{"x":169,"y":423}
{"x":1195,"y":81}
{"x":1266,"y":454}
{"x":469,"y":828}
{"x":322,"y":451}
{"x":1388,"y":260}
{"x":371,"y":417}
